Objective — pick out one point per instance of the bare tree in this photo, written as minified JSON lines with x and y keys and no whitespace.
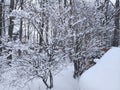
{"x":106,"y":3}
{"x":11,"y":23}
{"x":1,"y":18}
{"x":21,"y":22}
{"x":1,"y":25}
{"x":116,"y":22}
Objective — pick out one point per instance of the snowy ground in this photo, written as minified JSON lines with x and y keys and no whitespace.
{"x":62,"y":81}
{"x":105,"y":75}
{"x":65,"y":80}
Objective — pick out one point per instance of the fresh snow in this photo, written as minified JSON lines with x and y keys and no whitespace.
{"x":65,"y":80}
{"x":62,"y":81}
{"x":105,"y":75}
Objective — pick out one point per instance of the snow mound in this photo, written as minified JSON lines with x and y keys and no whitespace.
{"x":105,"y":75}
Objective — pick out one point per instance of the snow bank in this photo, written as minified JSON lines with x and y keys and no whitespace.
{"x":105,"y":75}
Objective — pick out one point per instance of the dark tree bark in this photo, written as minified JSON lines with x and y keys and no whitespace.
{"x":51,"y":79}
{"x":21,"y":22}
{"x":116,"y":31}
{"x":42,"y":24}
{"x":1,"y":24}
{"x":11,"y":25}
{"x":77,"y":63}
{"x":47,"y":29}
{"x":65,"y":3}
{"x":19,"y":52}
{"x":46,"y":19}
{"x":76,"y":68}
{"x":9,"y":57}
{"x":3,"y":16}
{"x":49,"y":86}
{"x":41,"y":37}
{"x":28,"y":29}
{"x":21,"y":29}
{"x":106,"y":10}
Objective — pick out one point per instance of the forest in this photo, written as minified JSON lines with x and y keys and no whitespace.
{"x":39,"y":38}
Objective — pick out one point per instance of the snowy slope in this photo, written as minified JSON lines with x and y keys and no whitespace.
{"x":65,"y":80}
{"x":105,"y":75}
{"x":62,"y":81}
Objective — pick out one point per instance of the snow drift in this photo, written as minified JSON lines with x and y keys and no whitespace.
{"x":105,"y":75}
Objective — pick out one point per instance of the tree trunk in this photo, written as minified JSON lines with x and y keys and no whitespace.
{"x":65,"y":3}
{"x":116,"y":31}
{"x":46,"y":19}
{"x":42,"y":24}
{"x":49,"y":86}
{"x":11,"y":25}
{"x":28,"y":29}
{"x":106,"y":10}
{"x":21,"y":29}
{"x":51,"y":79}
{"x":1,"y":26}
{"x":47,"y":29}
{"x":21,"y":22}
{"x":77,"y":66}
{"x":3,"y":15}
